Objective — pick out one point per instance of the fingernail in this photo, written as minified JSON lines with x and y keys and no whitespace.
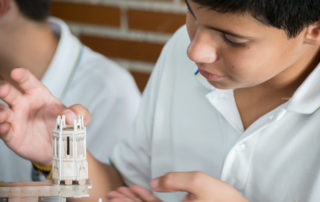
{"x":70,"y":115}
{"x":154,"y":183}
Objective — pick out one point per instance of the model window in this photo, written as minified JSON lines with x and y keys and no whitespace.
{"x":68,"y":146}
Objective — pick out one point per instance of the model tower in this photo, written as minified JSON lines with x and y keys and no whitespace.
{"x":69,"y":164}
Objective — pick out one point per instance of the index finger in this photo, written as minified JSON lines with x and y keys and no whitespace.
{"x":191,"y":182}
{"x":25,"y":79}
{"x":76,"y":110}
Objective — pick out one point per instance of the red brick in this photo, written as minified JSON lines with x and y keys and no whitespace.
{"x":141,"y":79}
{"x":127,"y":49}
{"x":158,"y":0}
{"x":155,"y":21}
{"x":87,"y":13}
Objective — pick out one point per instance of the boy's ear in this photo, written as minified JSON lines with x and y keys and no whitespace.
{"x":4,"y":7}
{"x":312,"y":35}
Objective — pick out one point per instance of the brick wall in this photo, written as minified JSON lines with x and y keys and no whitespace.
{"x":131,"y":32}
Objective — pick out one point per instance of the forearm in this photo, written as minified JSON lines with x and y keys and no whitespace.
{"x":104,"y":178}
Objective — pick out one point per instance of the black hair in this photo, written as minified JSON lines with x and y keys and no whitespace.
{"x":37,"y":10}
{"x":289,"y":15}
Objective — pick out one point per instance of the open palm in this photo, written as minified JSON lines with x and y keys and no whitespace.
{"x":27,"y":123}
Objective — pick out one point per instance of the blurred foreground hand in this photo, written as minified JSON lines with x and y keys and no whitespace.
{"x":27,"y":121}
{"x":200,"y":187}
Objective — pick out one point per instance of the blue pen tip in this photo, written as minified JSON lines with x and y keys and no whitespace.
{"x":197,"y":72}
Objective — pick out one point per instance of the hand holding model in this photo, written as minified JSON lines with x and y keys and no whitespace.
{"x":26,"y":126}
{"x":27,"y":122}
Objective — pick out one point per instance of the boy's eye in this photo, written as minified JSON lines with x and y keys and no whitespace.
{"x":233,"y":41}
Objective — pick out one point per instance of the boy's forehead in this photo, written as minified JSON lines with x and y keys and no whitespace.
{"x":209,"y":13}
{"x":238,"y":24}
{"x":236,"y":16}
{"x":194,"y":6}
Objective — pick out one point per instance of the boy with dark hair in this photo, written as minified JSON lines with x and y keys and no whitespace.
{"x":241,"y":108}
{"x":37,"y":10}
{"x":71,"y":71}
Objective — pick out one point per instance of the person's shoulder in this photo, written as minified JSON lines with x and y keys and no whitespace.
{"x":100,"y":65}
{"x":174,"y":51}
{"x":91,"y":62}
{"x":181,"y":34}
{"x":105,"y":73}
{"x":179,"y":39}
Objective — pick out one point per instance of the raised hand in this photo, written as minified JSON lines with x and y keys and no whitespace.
{"x":27,"y":122}
{"x":199,"y":186}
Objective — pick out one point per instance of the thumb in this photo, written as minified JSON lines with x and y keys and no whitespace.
{"x":72,"y":112}
{"x":178,"y":181}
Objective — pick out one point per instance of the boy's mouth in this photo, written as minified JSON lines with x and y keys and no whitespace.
{"x":210,"y":76}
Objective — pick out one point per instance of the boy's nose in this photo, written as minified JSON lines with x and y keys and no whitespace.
{"x":202,"y":49}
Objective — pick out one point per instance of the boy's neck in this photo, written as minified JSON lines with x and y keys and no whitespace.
{"x":31,"y":46}
{"x":293,"y":77}
{"x":256,"y":101}
{"x":289,"y":80}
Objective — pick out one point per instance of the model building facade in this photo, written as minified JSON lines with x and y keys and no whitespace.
{"x":69,"y":169}
{"x":69,"y":164}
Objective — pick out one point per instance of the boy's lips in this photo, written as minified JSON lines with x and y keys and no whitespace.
{"x":211,"y":77}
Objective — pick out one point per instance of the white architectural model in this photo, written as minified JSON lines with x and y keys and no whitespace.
{"x":69,"y":165}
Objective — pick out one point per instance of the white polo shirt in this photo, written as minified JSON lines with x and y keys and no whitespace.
{"x":185,"y":124}
{"x":78,"y":75}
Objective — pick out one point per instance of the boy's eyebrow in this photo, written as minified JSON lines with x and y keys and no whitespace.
{"x":228,"y":32}
{"x":217,"y":29}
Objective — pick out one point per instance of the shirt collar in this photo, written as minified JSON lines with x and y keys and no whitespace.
{"x":65,"y":60}
{"x":222,"y":100}
{"x":306,"y":99}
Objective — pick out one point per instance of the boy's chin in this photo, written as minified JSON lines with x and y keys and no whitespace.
{"x":221,"y":85}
